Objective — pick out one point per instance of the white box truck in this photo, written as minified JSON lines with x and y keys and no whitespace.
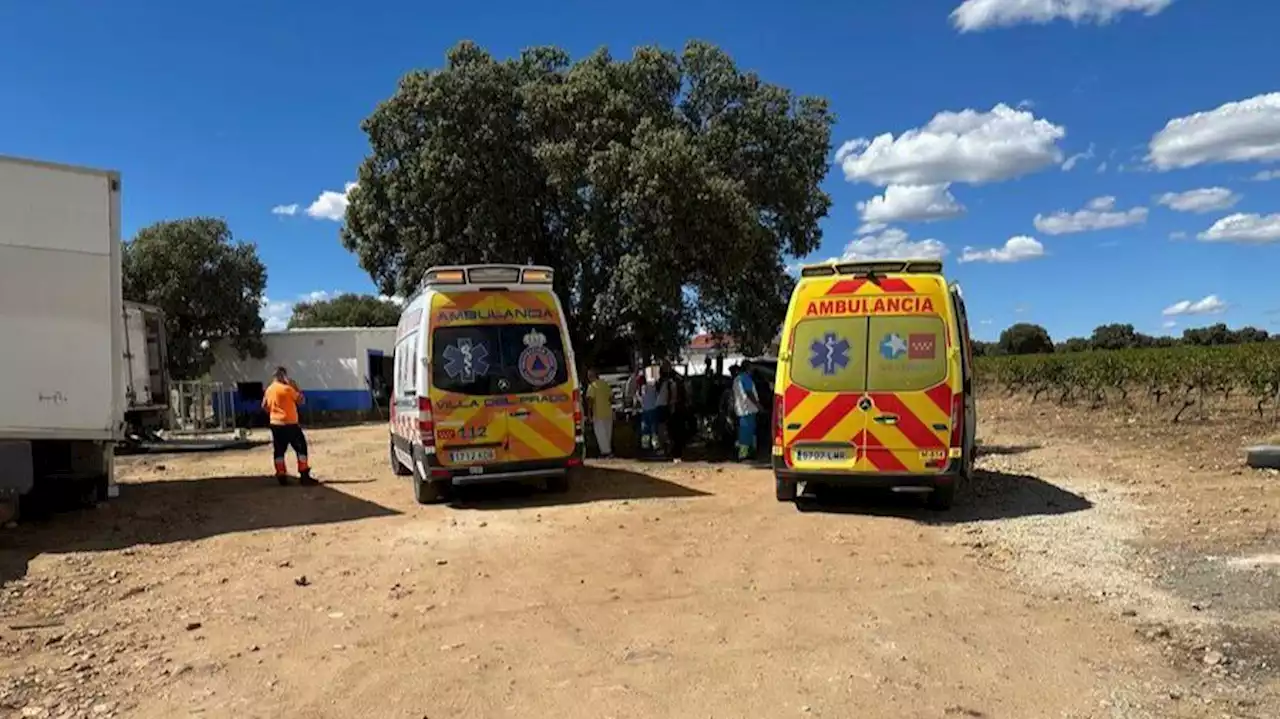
{"x":62,"y":349}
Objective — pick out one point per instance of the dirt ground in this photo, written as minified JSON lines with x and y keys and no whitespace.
{"x":1100,"y":566}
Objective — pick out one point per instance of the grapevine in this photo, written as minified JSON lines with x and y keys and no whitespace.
{"x":1180,"y":378}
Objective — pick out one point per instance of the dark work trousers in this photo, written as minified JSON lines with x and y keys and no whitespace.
{"x":284,"y":436}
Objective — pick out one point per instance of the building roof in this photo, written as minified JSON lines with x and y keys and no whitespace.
{"x":302,"y":330}
{"x":709,"y":341}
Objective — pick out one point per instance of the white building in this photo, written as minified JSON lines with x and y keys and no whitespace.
{"x":336,"y":367}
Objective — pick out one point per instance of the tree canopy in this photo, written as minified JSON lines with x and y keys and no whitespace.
{"x":209,"y":287}
{"x":346,"y":310}
{"x":665,"y":190}
{"x":1024,"y":339}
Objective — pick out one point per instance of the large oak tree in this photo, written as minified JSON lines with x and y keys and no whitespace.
{"x":666,"y":190}
{"x":346,"y":310}
{"x":209,"y":286}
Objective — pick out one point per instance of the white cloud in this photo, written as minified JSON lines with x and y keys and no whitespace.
{"x":331,"y":205}
{"x":975,"y":15}
{"x":1098,"y":214}
{"x":967,"y":146}
{"x":902,"y":203}
{"x":276,"y":313}
{"x":893,"y":244}
{"x":1210,"y":305}
{"x":1169,"y":324}
{"x":287,"y":210}
{"x":1248,"y":130}
{"x":1072,"y":161}
{"x":1267,"y":175}
{"x":986,"y":322}
{"x":1016,"y":249}
{"x":1177,"y":235}
{"x":1206,"y":199}
{"x":1102,"y":167}
{"x":1242,"y":227}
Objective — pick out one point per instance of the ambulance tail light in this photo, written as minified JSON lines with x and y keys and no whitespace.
{"x":778,"y":409}
{"x":957,"y":420}
{"x":426,"y":422}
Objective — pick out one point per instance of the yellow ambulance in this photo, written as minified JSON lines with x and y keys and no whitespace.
{"x":485,"y":386}
{"x":875,"y":381}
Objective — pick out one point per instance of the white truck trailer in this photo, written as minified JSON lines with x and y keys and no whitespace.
{"x":62,"y":353}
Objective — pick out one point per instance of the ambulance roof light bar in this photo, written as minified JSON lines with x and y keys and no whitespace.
{"x":872,"y":267}
{"x":488,"y":274}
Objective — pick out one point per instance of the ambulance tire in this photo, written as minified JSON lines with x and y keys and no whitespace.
{"x":943,"y":496}
{"x":426,"y":490}
{"x":784,"y":489}
{"x":399,"y":469}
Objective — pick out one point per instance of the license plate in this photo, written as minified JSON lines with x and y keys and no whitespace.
{"x":832,"y":454}
{"x":465,"y":456}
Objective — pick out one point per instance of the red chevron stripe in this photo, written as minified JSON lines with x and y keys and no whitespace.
{"x":895,"y":286}
{"x":941,"y":396}
{"x":846,"y":287}
{"x":792,"y":398}
{"x":916,"y":431}
{"x":828,"y":418}
{"x":883,"y":459}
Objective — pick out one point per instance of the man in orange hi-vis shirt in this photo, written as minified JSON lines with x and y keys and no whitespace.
{"x":281,"y":402}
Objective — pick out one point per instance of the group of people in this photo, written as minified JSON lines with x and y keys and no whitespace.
{"x":667,"y":417}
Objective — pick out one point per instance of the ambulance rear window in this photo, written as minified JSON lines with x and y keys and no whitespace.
{"x":498,"y":359}
{"x":829,"y":354}
{"x":908,"y":353}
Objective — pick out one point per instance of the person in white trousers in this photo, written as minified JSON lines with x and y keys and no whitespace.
{"x":600,"y":410}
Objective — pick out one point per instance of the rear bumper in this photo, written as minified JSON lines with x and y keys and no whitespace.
{"x":505,"y":471}
{"x":869,"y":480}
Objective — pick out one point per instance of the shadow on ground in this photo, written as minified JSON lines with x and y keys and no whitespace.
{"x":162,"y":512}
{"x":997,"y":450}
{"x":594,"y":484}
{"x":988,"y":497}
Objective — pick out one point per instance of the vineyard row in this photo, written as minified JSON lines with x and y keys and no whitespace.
{"x":1186,"y":375}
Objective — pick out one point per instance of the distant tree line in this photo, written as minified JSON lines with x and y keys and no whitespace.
{"x":1026,"y":338}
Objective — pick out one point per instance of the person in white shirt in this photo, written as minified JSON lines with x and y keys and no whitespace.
{"x":746,"y":404}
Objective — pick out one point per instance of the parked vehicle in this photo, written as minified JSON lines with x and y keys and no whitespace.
{"x":62,"y":368}
{"x":146,"y":377}
{"x":486,"y":387}
{"x":875,"y":384}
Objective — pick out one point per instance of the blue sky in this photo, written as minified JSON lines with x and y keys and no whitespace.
{"x":234,"y":108}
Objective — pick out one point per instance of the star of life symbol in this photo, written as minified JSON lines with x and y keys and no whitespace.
{"x":465,"y":360}
{"x":829,"y":354}
{"x":893,"y":346}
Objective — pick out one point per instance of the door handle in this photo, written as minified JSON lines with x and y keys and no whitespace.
{"x":887,"y":419}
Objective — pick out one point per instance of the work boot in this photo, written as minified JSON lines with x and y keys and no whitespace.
{"x":283,"y":479}
{"x":306,"y":479}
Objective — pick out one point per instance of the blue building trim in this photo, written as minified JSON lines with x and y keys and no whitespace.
{"x":318,"y":400}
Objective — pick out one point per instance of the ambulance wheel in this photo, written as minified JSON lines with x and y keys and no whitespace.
{"x":784,"y":489}
{"x":943,"y":496}
{"x":399,"y":469}
{"x":428,"y":491}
